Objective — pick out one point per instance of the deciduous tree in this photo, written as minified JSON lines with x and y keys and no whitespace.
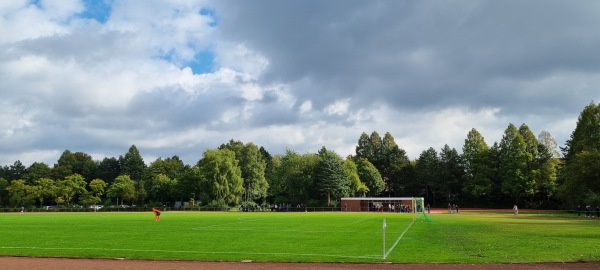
{"x":220,"y":170}
{"x":122,"y":188}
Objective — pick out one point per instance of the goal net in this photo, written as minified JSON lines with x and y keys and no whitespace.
{"x":414,"y":205}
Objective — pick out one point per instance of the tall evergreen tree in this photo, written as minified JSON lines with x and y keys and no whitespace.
{"x":364,"y":149}
{"x":478,"y":172}
{"x":84,"y":165}
{"x":108,"y":169}
{"x":393,"y":160}
{"x":514,"y":161}
{"x":582,"y":160}
{"x":330,"y":174}
{"x":3,"y":191}
{"x":427,"y":170}
{"x":532,"y":170}
{"x":451,"y":173}
{"x":64,"y":165}
{"x":132,"y":164}
{"x":17,"y":170}
{"x":546,"y":184}
{"x":386,"y":156}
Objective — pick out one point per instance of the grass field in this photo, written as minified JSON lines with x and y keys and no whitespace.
{"x":302,"y":237}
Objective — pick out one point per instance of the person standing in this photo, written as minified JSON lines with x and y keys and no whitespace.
{"x":516,"y":210}
{"x":156,"y":214}
{"x":588,"y":211}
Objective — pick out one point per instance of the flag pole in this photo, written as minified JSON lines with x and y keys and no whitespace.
{"x":384,"y":227}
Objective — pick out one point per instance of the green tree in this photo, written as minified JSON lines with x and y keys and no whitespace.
{"x":47,"y":190}
{"x":387,"y":157}
{"x":173,"y":168}
{"x":330,"y":174}
{"x":276,"y":180}
{"x":191,"y":184}
{"x":546,"y":185}
{"x":122,"y":188}
{"x":16,"y":171}
{"x":108,"y":169}
{"x":3,"y":191}
{"x":451,"y":173}
{"x":132,"y":164}
{"x":64,"y":165}
{"x":253,"y":166}
{"x":478,"y":172}
{"x":97,"y":189}
{"x":20,"y":193}
{"x":364,"y":149}
{"x":427,"y":170}
{"x":70,"y":187}
{"x":220,"y":170}
{"x":514,"y":166}
{"x":84,"y":165}
{"x":162,"y":187}
{"x":36,"y":171}
{"x":370,"y":176}
{"x":294,"y":178}
{"x":582,"y":160}
{"x":353,"y":186}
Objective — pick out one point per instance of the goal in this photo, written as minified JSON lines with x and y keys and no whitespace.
{"x":414,"y":205}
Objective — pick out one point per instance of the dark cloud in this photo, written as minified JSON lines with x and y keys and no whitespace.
{"x":417,"y":54}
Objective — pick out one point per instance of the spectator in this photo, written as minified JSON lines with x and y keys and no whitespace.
{"x":588,"y":211}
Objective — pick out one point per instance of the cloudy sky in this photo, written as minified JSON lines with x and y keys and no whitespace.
{"x":177,"y":77}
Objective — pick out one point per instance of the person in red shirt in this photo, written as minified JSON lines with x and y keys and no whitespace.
{"x":156,"y":214}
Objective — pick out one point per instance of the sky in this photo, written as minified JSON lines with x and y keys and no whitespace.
{"x":178,"y":77}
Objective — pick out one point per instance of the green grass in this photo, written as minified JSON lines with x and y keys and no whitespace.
{"x":301,"y":237}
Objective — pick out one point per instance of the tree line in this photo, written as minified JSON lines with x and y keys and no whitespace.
{"x":522,"y":168}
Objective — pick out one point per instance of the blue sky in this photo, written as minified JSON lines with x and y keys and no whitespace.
{"x":179,"y":77}
{"x":98,"y":10}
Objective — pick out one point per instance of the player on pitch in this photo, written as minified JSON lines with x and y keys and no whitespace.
{"x":156,"y":214}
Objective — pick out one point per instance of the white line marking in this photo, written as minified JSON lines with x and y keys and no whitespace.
{"x":398,"y":240}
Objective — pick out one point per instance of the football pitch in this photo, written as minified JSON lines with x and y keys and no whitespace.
{"x":302,"y":237}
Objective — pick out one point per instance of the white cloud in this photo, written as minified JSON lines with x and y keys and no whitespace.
{"x":306,"y":107}
{"x":339,"y":107}
{"x":287,"y":81}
